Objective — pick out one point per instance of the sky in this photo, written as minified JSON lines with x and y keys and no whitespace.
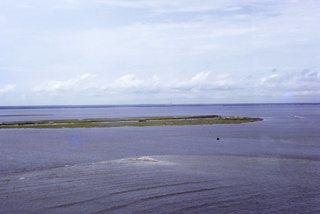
{"x":71,"y":52}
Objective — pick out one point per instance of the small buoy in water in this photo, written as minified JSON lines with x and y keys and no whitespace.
{"x":218,"y":138}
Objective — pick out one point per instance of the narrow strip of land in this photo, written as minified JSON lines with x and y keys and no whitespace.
{"x":22,"y":115}
{"x":132,"y":121}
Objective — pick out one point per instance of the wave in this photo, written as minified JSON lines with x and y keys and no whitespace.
{"x":164,"y":184}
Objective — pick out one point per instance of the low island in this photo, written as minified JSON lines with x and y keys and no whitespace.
{"x":132,"y":121}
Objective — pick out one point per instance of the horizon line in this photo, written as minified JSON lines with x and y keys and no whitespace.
{"x":148,"y":105}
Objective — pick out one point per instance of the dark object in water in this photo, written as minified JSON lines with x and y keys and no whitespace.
{"x":218,"y":138}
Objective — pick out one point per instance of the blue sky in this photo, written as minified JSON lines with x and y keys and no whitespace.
{"x":159,"y":51}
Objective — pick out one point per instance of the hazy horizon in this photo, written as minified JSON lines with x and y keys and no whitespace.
{"x":148,"y":105}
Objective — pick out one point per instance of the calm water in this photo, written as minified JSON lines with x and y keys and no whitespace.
{"x":262,"y":167}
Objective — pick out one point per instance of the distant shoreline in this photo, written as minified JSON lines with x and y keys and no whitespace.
{"x":131,"y":121}
{"x":145,"y":105}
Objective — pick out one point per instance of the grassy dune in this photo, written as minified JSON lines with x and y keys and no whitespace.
{"x":134,"y":121}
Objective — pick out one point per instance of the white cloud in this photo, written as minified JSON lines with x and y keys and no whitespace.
{"x":270,"y":78}
{"x":7,"y":88}
{"x":79,"y":82}
{"x":206,"y":82}
{"x":206,"y":86}
{"x":130,"y":83}
{"x":181,"y":6}
{"x":127,"y":81}
{"x":303,"y":83}
{"x":307,"y":75}
{"x":200,"y":77}
{"x":202,"y":81}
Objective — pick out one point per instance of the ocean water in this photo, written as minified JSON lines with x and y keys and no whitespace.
{"x":272,"y":166}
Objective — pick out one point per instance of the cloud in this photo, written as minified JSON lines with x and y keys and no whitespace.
{"x":7,"y":88}
{"x":127,"y":81}
{"x":300,"y":83}
{"x":181,"y":6}
{"x":79,"y":82}
{"x":161,"y":5}
{"x":308,"y":76}
{"x":130,"y":83}
{"x":205,"y":86}
{"x":204,"y":83}
{"x":200,"y":77}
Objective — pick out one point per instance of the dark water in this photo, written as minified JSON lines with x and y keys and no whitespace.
{"x":271,"y":166}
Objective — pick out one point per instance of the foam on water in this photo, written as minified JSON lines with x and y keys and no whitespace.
{"x":191,"y":184}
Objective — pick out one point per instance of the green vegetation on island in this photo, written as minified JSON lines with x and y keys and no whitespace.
{"x":132,"y":121}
